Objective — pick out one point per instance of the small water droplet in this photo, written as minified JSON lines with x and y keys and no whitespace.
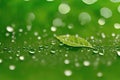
{"x":100,"y":53}
{"x":118,"y":53}
{"x":12,"y":67}
{"x":77,"y":64}
{"x":99,"y":74}
{"x":86,"y":63}
{"x":53,"y":29}
{"x":21,"y":58}
{"x":52,"y":51}
{"x":31,"y":51}
{"x":20,"y":30}
{"x":66,"y":61}
{"x":115,"y":1}
{"x":68,"y":73}
{"x":1,"y":61}
{"x":58,"y":22}
{"x":117,"y":26}
{"x":9,"y":29}
{"x":101,"y":21}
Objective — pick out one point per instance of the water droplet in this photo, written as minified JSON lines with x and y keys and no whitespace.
{"x":12,"y":67}
{"x":117,"y":26}
{"x":58,"y":22}
{"x":36,"y":33}
{"x":115,"y":1}
{"x":38,"y":37}
{"x":49,"y":0}
{"x":32,"y":51}
{"x":70,"y":26}
{"x":100,"y":53}
{"x":89,"y":1}
{"x":29,"y":27}
{"x":20,"y":30}
{"x":118,"y":53}
{"x":53,"y":29}
{"x":103,"y":35}
{"x":66,"y":61}
{"x":9,"y":29}
{"x":84,"y":18}
{"x":99,"y":74}
{"x":1,"y":61}
{"x":7,"y":34}
{"x":64,"y":8}
{"x":118,"y":8}
{"x":101,"y":21}
{"x":86,"y":63}
{"x":21,"y":58}
{"x":26,"y":0}
{"x":66,"y":55}
{"x":52,"y":51}
{"x":77,"y":64}
{"x":105,"y":12}
{"x":68,"y":73}
{"x":113,"y":34}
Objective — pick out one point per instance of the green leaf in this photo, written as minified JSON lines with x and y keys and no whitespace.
{"x":74,"y":41}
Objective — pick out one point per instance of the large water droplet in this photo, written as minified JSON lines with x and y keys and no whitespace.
{"x":68,"y":72}
{"x":64,"y":8}
{"x":12,"y":67}
{"x":89,"y":1}
{"x":84,"y":18}
{"x":105,"y":12}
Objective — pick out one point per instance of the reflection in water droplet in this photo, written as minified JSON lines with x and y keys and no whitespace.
{"x":9,"y":29}
{"x":68,"y":72}
{"x":66,"y":61}
{"x":12,"y":67}
{"x":101,"y":21}
{"x":64,"y":8}
{"x":105,"y":12}
{"x":89,"y":1}
{"x":86,"y":63}
{"x":84,"y":18}
{"x":99,"y":74}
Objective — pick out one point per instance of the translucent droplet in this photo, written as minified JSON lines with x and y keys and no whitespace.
{"x":1,"y":61}
{"x":101,"y":21}
{"x":57,"y":22}
{"x":20,"y":30}
{"x":29,"y":27}
{"x":21,"y":58}
{"x":53,"y":29}
{"x":84,"y":18}
{"x":99,"y":74}
{"x":66,"y":61}
{"x":103,"y":35}
{"x":77,"y":64}
{"x":64,"y":8}
{"x":36,"y":33}
{"x":49,"y":0}
{"x":66,"y":55}
{"x":68,"y":72}
{"x":86,"y":63}
{"x":117,"y":26}
{"x":9,"y":29}
{"x":118,"y":8}
{"x":89,"y":1}
{"x":100,"y":53}
{"x":12,"y":67}
{"x":113,"y":34}
{"x":32,"y":51}
{"x":70,"y":26}
{"x":105,"y":12}
{"x":38,"y":37}
{"x":118,"y":53}
{"x":115,"y":1}
{"x":53,"y":51}
{"x":7,"y":34}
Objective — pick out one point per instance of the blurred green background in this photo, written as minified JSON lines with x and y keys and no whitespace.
{"x":29,"y":50}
